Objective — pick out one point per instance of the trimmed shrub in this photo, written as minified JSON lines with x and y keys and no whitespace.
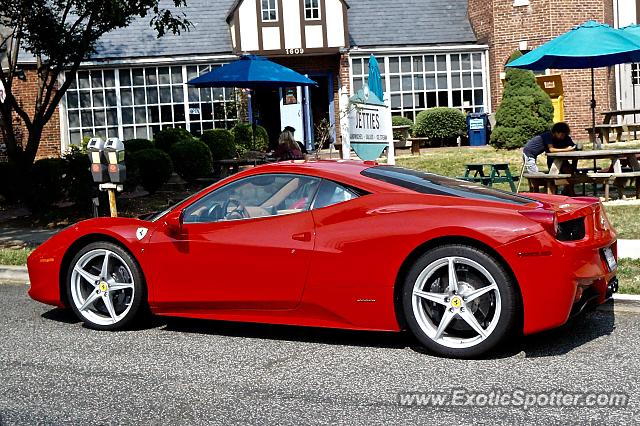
{"x":220,"y":143}
{"x":134,"y":145}
{"x":243,"y":136}
{"x":78,"y":180}
{"x":440,"y":124}
{"x":46,"y":185}
{"x":166,"y":138}
{"x":154,"y":168}
{"x":525,"y":111}
{"x":399,"y":120}
{"x":191,"y":160}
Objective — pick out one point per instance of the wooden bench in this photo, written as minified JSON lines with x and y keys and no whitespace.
{"x":549,"y":182}
{"x":602,"y":131}
{"x":619,"y":180}
{"x":415,"y":144}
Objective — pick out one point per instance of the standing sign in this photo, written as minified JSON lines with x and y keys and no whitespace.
{"x":369,"y":127}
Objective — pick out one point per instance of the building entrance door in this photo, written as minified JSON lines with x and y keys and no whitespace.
{"x":292,"y":110}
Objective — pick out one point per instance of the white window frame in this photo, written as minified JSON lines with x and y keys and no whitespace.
{"x":313,"y":8}
{"x":139,"y":129}
{"x":268,"y":10}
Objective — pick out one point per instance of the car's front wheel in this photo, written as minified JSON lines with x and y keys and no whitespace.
{"x":105,"y":286}
{"x":459,"y":301}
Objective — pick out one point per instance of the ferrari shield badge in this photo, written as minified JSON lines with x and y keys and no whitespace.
{"x":141,"y":232}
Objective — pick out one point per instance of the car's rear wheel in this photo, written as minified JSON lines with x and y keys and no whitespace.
{"x":459,"y":301}
{"x":105,"y":286}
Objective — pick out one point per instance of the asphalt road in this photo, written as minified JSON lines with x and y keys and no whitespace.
{"x":55,"y":371}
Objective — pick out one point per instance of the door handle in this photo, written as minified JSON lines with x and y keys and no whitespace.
{"x":302,"y":236}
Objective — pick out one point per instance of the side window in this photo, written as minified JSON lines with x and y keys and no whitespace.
{"x":253,"y":197}
{"x":332,"y":193}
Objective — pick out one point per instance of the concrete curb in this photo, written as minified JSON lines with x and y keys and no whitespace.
{"x":14,"y":274}
{"x":622,"y":303}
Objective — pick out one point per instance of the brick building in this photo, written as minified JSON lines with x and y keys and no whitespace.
{"x":509,"y":25}
{"x":135,"y":84}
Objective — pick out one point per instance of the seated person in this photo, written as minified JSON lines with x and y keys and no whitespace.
{"x":288,"y":149}
{"x":293,"y":135}
{"x":556,"y":140}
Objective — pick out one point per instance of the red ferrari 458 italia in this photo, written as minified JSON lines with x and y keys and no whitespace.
{"x":342,"y":244}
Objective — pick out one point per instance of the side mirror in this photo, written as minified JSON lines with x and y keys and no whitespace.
{"x":173,"y":222}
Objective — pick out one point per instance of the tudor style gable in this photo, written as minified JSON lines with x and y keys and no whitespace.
{"x":288,"y":27}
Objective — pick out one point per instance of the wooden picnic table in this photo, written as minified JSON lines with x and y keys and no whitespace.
{"x":614,"y":175}
{"x":608,"y":115}
{"x":499,"y":172}
{"x":603,"y":130}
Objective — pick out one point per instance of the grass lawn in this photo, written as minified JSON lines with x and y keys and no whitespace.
{"x":625,"y":220}
{"x":14,"y":256}
{"x":629,"y":276}
{"x":451,"y":161}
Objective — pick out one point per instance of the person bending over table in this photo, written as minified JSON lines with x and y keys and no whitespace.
{"x":555,"y":140}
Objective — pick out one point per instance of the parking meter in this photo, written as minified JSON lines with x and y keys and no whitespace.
{"x":95,"y":149}
{"x":114,"y":151}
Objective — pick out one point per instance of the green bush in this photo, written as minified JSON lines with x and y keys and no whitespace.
{"x":220,"y":143}
{"x":134,"y":145}
{"x":243,"y":136}
{"x":191,"y":159}
{"x":399,"y":120}
{"x":166,"y":138}
{"x":78,"y":180}
{"x":46,"y":185}
{"x":154,"y":168}
{"x":525,"y":111}
{"x":440,"y":124}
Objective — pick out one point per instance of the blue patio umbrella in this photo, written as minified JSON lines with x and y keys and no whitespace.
{"x":589,"y":45}
{"x":252,"y":72}
{"x":375,"y":81}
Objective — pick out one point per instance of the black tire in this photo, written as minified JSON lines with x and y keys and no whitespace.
{"x":137,"y":298}
{"x":508,"y":297}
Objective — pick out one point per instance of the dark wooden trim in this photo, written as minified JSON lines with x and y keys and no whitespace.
{"x":281,"y":19}
{"x":317,"y":51}
{"x":236,"y":23}
{"x":303,"y":37}
{"x":345,"y":25}
{"x":323,"y":22}
{"x":259,"y":24}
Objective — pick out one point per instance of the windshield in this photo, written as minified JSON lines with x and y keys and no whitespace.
{"x":428,"y":183}
{"x":157,"y":216}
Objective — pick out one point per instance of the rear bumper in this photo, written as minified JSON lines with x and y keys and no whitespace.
{"x":558,"y":280}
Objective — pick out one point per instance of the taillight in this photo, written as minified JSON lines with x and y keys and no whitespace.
{"x":546,"y":218}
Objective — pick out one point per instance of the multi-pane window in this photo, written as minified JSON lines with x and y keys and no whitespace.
{"x":269,"y":10}
{"x":360,"y":72}
{"x":635,"y":73}
{"x":312,"y":9}
{"x":418,"y":82}
{"x":92,"y":106}
{"x":209,"y":107}
{"x":138,"y":102}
